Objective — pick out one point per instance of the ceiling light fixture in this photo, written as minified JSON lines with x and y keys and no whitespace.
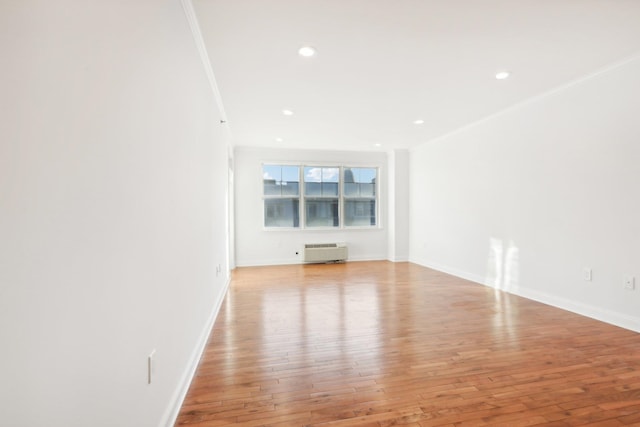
{"x":377,"y":145}
{"x":306,"y":51}
{"x":279,"y":139}
{"x":502,"y":75}
{"x":418,"y":122}
{"x":287,"y":112}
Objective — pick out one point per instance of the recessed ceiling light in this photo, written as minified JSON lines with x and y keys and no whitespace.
{"x":418,"y":122}
{"x":287,"y":112}
{"x":377,"y":145}
{"x":502,"y":75}
{"x":279,"y":139}
{"x":306,"y":51}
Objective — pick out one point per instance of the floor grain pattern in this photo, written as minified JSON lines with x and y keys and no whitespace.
{"x":381,"y":344}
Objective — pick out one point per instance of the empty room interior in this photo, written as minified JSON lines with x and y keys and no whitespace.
{"x":319,"y":213}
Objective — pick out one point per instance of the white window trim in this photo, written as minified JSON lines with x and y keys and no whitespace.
{"x":341,"y":199}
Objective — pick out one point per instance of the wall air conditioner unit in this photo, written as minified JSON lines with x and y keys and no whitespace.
{"x":325,"y":252}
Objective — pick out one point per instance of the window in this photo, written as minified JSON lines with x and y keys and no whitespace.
{"x":281,"y":195}
{"x":321,"y":196}
{"x":331,"y":196}
{"x":359,"y":197}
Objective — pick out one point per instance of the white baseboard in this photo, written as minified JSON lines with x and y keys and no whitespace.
{"x":171,"y":414}
{"x":450,"y":270}
{"x":399,"y":259}
{"x":367,"y":258}
{"x":617,"y":319}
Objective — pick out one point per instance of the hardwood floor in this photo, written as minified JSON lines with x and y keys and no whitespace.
{"x":381,"y":344}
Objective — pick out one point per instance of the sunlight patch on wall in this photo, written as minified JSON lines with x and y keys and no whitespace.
{"x":502,"y":265}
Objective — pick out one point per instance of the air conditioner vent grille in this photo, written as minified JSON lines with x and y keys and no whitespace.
{"x":325,"y":252}
{"x":320,"y":245}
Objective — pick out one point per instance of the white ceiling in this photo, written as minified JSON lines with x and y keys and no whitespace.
{"x":381,"y":64}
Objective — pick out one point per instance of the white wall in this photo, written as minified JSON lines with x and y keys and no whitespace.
{"x":526,"y":200}
{"x":257,"y":246}
{"x":112,"y":211}
{"x":398,"y":241}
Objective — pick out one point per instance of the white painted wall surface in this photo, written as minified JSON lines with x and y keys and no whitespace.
{"x":398,"y":250}
{"x":524,"y":201}
{"x":256,"y":245}
{"x":112,"y":193}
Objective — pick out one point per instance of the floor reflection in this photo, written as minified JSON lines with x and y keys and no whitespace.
{"x":320,"y":323}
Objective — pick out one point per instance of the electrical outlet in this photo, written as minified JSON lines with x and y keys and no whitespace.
{"x":151,"y":366}
{"x":630,"y":283}
{"x":587,"y":274}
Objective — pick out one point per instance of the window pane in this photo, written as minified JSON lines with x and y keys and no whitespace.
{"x":321,"y":181}
{"x":282,"y":212}
{"x":359,"y":213}
{"x":360,"y":182}
{"x":290,"y":188}
{"x":313,"y":189}
{"x":351,"y":189}
{"x":367,"y":190}
{"x":291,"y":173}
{"x":271,"y":188}
{"x":322,"y":212}
{"x":281,"y":180}
{"x":330,"y":189}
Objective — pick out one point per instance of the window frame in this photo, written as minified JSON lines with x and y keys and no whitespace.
{"x":302,"y":198}
{"x":266,"y":197}
{"x":375,"y":198}
{"x":337,"y":197}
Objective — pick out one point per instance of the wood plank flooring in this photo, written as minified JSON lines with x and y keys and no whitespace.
{"x":381,"y":344}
